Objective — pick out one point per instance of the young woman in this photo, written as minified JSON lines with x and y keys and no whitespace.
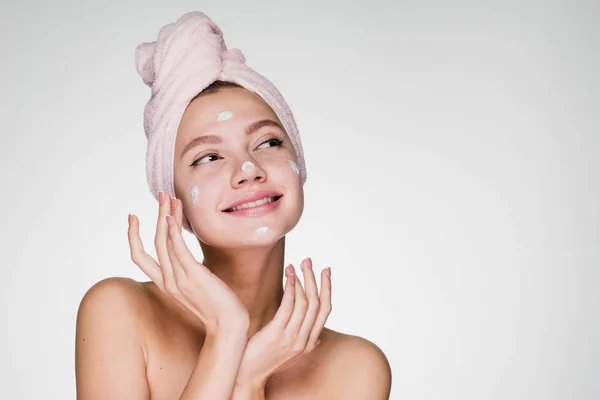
{"x":232,"y":174}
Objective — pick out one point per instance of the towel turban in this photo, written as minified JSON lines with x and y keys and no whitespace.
{"x":188,"y":55}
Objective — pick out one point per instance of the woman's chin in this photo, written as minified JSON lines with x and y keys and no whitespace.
{"x":263,"y":235}
{"x":245,"y":233}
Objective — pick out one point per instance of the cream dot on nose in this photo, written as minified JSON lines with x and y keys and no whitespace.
{"x":247,"y":166}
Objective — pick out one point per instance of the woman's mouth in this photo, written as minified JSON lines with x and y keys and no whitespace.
{"x":255,"y":208}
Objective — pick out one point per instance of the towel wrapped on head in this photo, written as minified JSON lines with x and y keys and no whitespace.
{"x":188,"y":55}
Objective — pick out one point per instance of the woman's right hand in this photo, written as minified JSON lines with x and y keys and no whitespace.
{"x":179,"y":275}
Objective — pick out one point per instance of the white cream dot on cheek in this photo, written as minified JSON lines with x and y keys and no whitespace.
{"x":294,"y":167}
{"x":262,"y":230}
{"x":224,"y":115}
{"x":194,"y":193}
{"x":247,"y":166}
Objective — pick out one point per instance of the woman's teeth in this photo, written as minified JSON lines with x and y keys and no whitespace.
{"x":260,"y":202}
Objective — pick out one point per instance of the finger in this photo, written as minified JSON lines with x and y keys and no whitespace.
{"x":160,"y":243}
{"x":178,"y":271}
{"x":183,"y":255}
{"x":312,"y":294}
{"x":324,"y":309}
{"x":139,"y":255}
{"x":284,"y":312}
{"x":177,"y":211}
{"x":300,"y":307}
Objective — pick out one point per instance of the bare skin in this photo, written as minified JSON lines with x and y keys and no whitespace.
{"x":224,"y":328}
{"x":169,"y":345}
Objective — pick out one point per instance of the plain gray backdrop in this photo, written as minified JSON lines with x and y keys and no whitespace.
{"x":453,"y":173}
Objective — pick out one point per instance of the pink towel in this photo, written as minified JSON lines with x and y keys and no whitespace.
{"x":187,"y":56}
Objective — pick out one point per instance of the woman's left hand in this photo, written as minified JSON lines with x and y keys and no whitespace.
{"x":294,"y":330}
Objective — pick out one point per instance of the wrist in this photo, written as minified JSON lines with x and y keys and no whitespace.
{"x":246,"y":389}
{"x":249,"y":383}
{"x":231,"y":330}
{"x":230,"y":341}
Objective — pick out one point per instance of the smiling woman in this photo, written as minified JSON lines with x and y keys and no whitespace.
{"x":226,"y":163}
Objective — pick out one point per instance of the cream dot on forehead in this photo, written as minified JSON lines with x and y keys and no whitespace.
{"x":294,"y":167}
{"x":262,"y":230}
{"x":224,"y":115}
{"x":247,"y":166}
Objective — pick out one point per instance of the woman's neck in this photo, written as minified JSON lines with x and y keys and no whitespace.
{"x":255,"y":275}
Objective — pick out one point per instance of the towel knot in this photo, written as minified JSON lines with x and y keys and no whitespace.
{"x":233,"y":55}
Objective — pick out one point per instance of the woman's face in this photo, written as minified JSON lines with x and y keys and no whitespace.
{"x":230,"y":145}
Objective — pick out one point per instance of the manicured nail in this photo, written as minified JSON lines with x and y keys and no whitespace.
{"x":328,"y":272}
{"x":309,"y":263}
{"x":129,"y":219}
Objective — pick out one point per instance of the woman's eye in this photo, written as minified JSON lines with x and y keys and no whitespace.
{"x":202,"y":160}
{"x":274,"y":141}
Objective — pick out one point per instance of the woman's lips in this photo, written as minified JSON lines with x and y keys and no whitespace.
{"x":256,"y":211}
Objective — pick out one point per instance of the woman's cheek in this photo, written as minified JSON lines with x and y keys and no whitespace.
{"x":194,"y":193}
{"x":294,"y":167}
{"x":202,"y":198}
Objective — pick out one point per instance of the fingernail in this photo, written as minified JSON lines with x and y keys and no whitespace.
{"x":309,"y":262}
{"x":129,"y":219}
{"x":173,"y":202}
{"x":328,"y":272}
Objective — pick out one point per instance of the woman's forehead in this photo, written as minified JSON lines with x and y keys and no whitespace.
{"x":229,"y":102}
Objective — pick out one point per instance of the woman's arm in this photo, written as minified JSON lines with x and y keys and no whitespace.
{"x":110,"y":354}
{"x":216,"y":369}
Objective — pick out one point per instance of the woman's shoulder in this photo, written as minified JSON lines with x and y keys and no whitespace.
{"x":356,"y":368}
{"x":117,"y":297}
{"x":115,"y":291}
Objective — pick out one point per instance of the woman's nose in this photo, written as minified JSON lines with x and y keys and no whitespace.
{"x":248,"y":172}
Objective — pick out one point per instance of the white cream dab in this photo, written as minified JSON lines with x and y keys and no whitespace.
{"x":262,"y":230}
{"x":247,"y":166}
{"x":224,"y":115}
{"x":194,"y":193}
{"x":294,"y":167}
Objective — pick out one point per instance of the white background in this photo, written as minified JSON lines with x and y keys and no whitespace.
{"x":453,"y":179}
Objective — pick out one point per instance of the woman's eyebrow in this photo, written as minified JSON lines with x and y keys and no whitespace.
{"x":253,"y":127}
{"x":214,"y":139}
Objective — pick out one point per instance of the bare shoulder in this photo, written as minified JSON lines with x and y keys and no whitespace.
{"x":124,"y":294}
{"x":356,"y":368}
{"x":109,"y":350}
{"x":112,"y":307}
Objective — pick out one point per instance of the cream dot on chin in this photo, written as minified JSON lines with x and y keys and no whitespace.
{"x":294,"y":167}
{"x":247,"y":166}
{"x":262,"y":231}
{"x":194,"y":191}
